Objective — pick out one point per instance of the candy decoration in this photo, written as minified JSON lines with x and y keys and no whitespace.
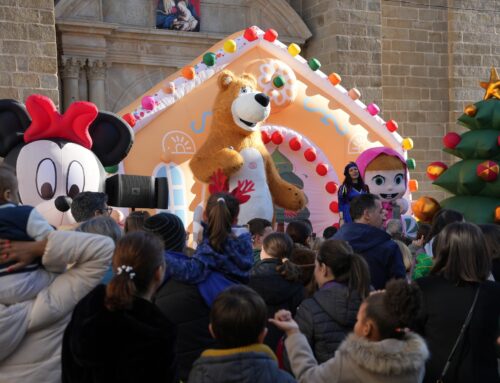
{"x":413,"y":185}
{"x":334,"y":207}
{"x":188,"y":72}
{"x":293,"y":49}
{"x":470,"y":110}
{"x":497,"y":215}
{"x":111,"y":169}
{"x":230,"y":46}
{"x":265,"y":137}
{"x":295,"y":144}
{"x":322,"y":169}
{"x":130,"y":119}
{"x":407,"y":143}
{"x":425,"y":208}
{"x":251,"y":34}
{"x":411,"y":164}
{"x":148,"y":103}
{"x":278,"y":81}
{"x":451,"y":140}
{"x":354,"y":94}
{"x":373,"y":109}
{"x":169,"y":88}
{"x":435,"y":169}
{"x":209,"y":59}
{"x":310,"y":154}
{"x":334,"y":78}
{"x":391,"y":126}
{"x":487,"y":171}
{"x":314,"y":64}
{"x":331,"y":187}
{"x":270,"y":35}
{"x":277,"y":138}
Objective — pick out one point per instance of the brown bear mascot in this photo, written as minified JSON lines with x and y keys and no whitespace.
{"x":234,"y":145}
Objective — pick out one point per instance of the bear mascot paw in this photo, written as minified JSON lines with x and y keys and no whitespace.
{"x":234,"y":145}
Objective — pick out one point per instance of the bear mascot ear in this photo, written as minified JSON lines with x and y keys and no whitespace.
{"x":112,"y":138}
{"x":225,"y":79}
{"x":14,"y":120}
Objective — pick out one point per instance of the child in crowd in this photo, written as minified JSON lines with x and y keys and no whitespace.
{"x":344,"y":281}
{"x":238,"y":322}
{"x":135,"y":221}
{"x":259,"y":228}
{"x":305,"y":258}
{"x":277,"y":280}
{"x":116,"y":334}
{"x":407,"y":257}
{"x":491,"y":234}
{"x":381,"y":349}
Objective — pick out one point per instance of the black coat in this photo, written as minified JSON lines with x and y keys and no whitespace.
{"x":327,"y":318}
{"x":445,"y":308}
{"x":277,"y":292}
{"x":183,"y":305}
{"x":134,"y":345}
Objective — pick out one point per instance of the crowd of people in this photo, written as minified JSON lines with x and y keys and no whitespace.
{"x":103,"y":303}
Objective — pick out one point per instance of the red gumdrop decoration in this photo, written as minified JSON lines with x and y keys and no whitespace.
{"x":331,"y":187}
{"x":295,"y":144}
{"x":130,"y":119}
{"x":270,"y":35}
{"x":310,"y":154}
{"x":250,"y":34}
{"x":391,"y":126}
{"x":322,"y":169}
{"x":334,"y":207}
{"x":265,"y":137}
{"x":451,"y":140}
{"x":277,"y":138}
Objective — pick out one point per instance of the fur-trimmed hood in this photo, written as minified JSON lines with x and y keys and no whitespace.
{"x":389,"y":356}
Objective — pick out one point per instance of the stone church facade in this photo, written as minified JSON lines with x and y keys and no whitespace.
{"x":419,"y":60}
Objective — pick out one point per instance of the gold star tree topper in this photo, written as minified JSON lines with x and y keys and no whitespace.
{"x":492,"y":87}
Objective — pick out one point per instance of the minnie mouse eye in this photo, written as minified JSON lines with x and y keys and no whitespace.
{"x":75,"y":181}
{"x":46,"y":179}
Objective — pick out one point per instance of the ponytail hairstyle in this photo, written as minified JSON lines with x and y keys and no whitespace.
{"x":280,"y":246}
{"x":222,"y":211}
{"x":136,"y":258}
{"x":394,"y":309}
{"x":346,"y":266}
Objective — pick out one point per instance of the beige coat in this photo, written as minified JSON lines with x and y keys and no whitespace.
{"x":360,"y":360}
{"x":31,"y":331}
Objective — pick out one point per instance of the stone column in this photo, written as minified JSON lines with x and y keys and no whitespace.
{"x":83,"y":87}
{"x":70,"y":74}
{"x":96,"y":73}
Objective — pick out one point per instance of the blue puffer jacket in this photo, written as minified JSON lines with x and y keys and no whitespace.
{"x":234,"y":262}
{"x":377,"y":248}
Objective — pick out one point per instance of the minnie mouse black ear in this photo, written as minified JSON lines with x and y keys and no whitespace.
{"x":14,"y":120}
{"x":112,"y":138}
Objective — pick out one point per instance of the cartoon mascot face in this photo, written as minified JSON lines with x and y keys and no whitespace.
{"x":58,"y":156}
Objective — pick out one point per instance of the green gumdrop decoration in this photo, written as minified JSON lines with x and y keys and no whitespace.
{"x":111,"y":169}
{"x":410,"y":162}
{"x":209,"y":59}
{"x":278,"y":81}
{"x":314,"y":64}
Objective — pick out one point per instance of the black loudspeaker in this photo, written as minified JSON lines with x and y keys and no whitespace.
{"x":137,"y":191}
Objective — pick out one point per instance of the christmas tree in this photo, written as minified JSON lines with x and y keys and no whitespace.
{"x":474,"y":179}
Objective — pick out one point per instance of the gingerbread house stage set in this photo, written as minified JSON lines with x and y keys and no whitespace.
{"x":315,"y":128}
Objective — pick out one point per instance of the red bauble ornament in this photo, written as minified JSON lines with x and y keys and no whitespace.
{"x":331,"y":187}
{"x":334,"y":207}
{"x":310,"y":154}
{"x":129,"y":117}
{"x":322,"y":169}
{"x":295,"y":144}
{"x":277,"y":138}
{"x":487,"y":171}
{"x":451,"y":140}
{"x":270,"y":35}
{"x":265,"y":137}
{"x":251,"y":33}
{"x":336,"y":225}
{"x":435,"y":169}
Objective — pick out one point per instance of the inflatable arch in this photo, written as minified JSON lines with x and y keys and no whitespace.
{"x":316,"y":126}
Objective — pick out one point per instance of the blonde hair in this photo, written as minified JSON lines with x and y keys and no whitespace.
{"x":406,"y":253}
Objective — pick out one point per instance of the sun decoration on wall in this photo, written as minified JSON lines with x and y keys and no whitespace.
{"x":177,"y":142}
{"x":492,"y":87}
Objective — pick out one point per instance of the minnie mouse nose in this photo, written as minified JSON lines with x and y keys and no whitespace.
{"x":262,"y":99}
{"x":63,"y":203}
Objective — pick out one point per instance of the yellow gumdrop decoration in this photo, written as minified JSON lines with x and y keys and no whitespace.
{"x":407,"y":143}
{"x":230,"y":46}
{"x":293,"y":49}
